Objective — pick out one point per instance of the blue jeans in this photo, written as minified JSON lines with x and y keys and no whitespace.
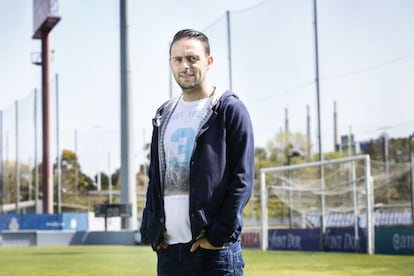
{"x":177,"y":260}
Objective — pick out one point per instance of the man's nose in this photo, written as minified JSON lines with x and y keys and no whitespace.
{"x":185,"y":65}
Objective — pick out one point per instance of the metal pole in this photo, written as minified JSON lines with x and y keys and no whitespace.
{"x":387,"y":166}
{"x":308,"y":135}
{"x":263,"y":204}
{"x":98,"y":163}
{"x":58,"y":158}
{"x":410,"y":143}
{"x":29,"y":180}
{"x":36,"y":165}
{"x":128,"y":186}
{"x":290,"y":187}
{"x":317,"y":79}
{"x":352,"y":176}
{"x":321,"y":170}
{"x":6,"y":179}
{"x":335,"y":121}
{"x":229,"y":50}
{"x":17,"y":168}
{"x":76,"y":162}
{"x":369,"y":198}
{"x":1,"y":164}
{"x":47,"y":174}
{"x":109,"y":178}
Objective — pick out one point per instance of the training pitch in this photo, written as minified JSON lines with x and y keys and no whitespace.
{"x":140,"y":260}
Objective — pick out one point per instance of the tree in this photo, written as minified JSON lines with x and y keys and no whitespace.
{"x":284,"y":145}
{"x":115,"y":178}
{"x":73,"y":179}
{"x":10,"y":182}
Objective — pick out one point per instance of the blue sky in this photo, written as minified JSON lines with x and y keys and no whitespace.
{"x":366,"y":59}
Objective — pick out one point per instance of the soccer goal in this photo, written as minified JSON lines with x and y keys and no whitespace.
{"x":329,"y":197}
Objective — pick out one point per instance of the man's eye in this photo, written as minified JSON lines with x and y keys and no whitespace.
{"x":192,"y":59}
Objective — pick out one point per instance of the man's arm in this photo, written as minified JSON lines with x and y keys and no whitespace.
{"x":240,"y":146}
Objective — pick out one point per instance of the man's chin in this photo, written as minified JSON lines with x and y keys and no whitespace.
{"x":188,"y":88}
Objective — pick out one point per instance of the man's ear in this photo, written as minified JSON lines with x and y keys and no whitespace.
{"x":210,"y":61}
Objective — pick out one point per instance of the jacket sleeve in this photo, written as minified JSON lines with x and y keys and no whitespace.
{"x":148,"y":212}
{"x":240,"y":162}
{"x":152,"y":225}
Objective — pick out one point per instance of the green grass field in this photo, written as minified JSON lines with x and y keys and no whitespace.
{"x":140,"y":260}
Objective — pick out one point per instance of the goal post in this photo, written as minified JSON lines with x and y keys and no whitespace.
{"x":283,"y":181}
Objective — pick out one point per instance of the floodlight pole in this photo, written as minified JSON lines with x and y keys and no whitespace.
{"x":17,"y":168}
{"x":47,"y":176}
{"x":36,"y":166}
{"x":1,"y":164}
{"x":229,"y":50}
{"x":45,"y":19}
{"x":59,"y":157}
{"x":128,"y":186}
{"x":410,"y":144}
{"x":321,"y":170}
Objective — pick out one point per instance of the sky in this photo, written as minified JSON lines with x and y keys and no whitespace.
{"x":365,"y":58}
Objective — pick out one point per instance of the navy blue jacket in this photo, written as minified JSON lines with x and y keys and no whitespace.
{"x":221,"y":173}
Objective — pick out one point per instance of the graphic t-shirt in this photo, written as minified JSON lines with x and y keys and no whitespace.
{"x":179,"y":140}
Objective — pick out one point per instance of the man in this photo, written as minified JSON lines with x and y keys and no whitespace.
{"x":201,"y":171}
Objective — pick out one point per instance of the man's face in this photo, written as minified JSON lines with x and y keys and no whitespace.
{"x":189,"y":63}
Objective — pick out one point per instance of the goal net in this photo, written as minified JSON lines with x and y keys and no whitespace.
{"x":319,"y":195}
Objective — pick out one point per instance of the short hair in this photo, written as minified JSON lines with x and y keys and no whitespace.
{"x":192,"y":34}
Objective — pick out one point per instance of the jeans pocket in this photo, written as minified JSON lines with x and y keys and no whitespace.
{"x":226,"y":261}
{"x":213,"y":262}
{"x":238,"y":262}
